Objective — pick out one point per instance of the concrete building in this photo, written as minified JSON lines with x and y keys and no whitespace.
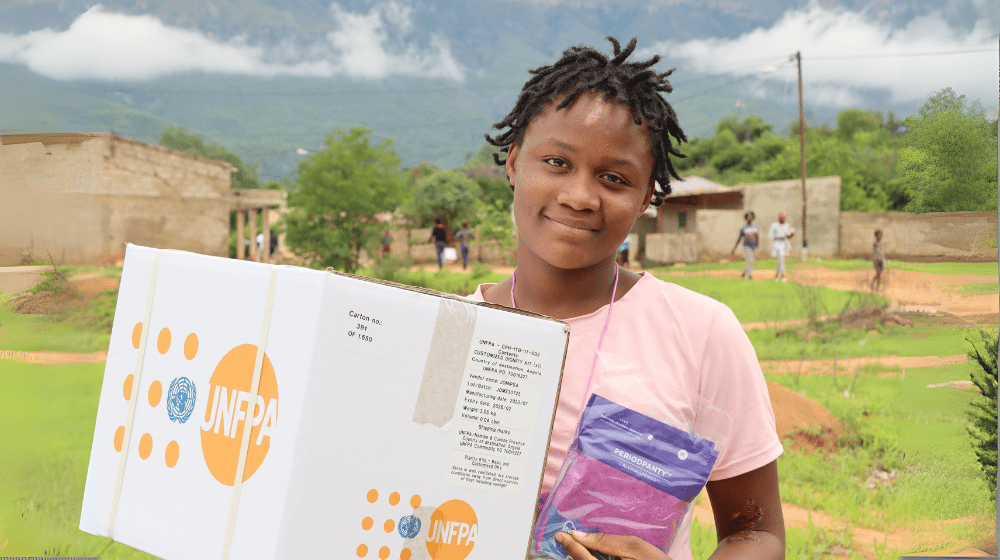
{"x":80,"y":198}
{"x":700,"y":219}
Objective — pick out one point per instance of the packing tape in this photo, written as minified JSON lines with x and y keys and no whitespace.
{"x":445,"y":366}
{"x":258,"y":365}
{"x":136,"y":377}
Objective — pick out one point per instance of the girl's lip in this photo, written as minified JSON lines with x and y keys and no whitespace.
{"x":575,"y":224}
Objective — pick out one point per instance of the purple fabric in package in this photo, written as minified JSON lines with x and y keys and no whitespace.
{"x":626,"y":474}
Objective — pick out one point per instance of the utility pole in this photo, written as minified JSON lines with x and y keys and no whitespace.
{"x":802,"y":155}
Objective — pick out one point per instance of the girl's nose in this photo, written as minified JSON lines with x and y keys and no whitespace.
{"x":580,"y":193}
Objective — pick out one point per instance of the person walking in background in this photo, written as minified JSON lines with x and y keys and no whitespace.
{"x":464,"y":236}
{"x":440,"y":238}
{"x":878,"y":260}
{"x":780,"y":233}
{"x":386,"y":244}
{"x":749,"y":234}
{"x":623,"y":250}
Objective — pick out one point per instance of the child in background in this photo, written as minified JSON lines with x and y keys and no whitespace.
{"x":587,"y":147}
{"x":878,"y":260}
{"x":749,"y":234}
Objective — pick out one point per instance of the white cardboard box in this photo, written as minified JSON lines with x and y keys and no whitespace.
{"x":391,"y":423}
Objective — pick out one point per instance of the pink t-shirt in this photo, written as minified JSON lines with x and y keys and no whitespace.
{"x":672,"y":346}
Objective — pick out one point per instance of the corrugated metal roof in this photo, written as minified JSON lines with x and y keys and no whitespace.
{"x":693,"y":184}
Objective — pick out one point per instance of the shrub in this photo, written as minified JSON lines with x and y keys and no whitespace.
{"x":983,"y":413}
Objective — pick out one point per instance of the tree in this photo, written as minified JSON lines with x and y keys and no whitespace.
{"x":949,"y":162}
{"x":340,"y":190}
{"x":178,"y":138}
{"x":445,"y":194}
{"x":983,"y":413}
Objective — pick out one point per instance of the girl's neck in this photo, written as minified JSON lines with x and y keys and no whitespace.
{"x":561,"y":293}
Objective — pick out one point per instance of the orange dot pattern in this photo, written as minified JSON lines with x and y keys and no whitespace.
{"x":389,"y":526}
{"x":163,"y":340}
{"x":172,"y":451}
{"x":136,"y":335}
{"x":145,"y":446}
{"x":191,"y":346}
{"x":155,"y":392}
{"x":127,"y":386}
{"x":171,"y":454}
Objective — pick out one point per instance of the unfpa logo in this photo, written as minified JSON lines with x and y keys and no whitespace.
{"x":227,"y":410}
{"x":451,"y":529}
{"x":227,"y":414}
{"x":452,"y":532}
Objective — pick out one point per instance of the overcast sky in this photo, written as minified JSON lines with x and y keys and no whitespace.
{"x":116,"y":47}
{"x":843,"y":52}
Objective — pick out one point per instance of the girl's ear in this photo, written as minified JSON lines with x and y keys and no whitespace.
{"x":511,"y":164}
{"x":649,"y":196}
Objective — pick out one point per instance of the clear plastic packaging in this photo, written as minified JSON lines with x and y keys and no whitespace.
{"x":630,"y":473}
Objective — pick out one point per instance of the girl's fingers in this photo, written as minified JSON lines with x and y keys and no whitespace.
{"x":626,"y":548}
{"x":573,"y":547}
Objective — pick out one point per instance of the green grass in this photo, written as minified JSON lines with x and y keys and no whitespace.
{"x":772,"y":301}
{"x":813,"y":543}
{"x":834,"y":483}
{"x":979,"y":288}
{"x":941,"y":477}
{"x":830,"y":341}
{"x":985,"y":268}
{"x":32,"y":333}
{"x":459,"y":283}
{"x":48,"y":414}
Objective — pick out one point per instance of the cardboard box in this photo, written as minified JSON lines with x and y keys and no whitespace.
{"x":389,"y":422}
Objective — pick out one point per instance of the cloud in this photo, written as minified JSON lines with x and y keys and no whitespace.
{"x":847,"y":53}
{"x":100,"y":45}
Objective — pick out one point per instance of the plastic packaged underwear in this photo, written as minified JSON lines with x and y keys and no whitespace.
{"x":625,"y":474}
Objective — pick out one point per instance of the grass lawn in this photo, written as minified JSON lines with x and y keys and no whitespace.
{"x":32,"y":333}
{"x":941,"y":477}
{"x":901,"y":426}
{"x":771,"y":301}
{"x":48,"y":415}
{"x":832,"y":341}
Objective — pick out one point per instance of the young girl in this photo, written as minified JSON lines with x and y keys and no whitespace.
{"x":587,"y":152}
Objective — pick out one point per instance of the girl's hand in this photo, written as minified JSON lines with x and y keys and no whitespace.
{"x":579,"y":545}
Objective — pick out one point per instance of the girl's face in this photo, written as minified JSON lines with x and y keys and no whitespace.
{"x":582,"y":175}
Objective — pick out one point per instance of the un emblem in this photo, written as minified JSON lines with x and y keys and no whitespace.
{"x":409,"y":526}
{"x":180,"y":399}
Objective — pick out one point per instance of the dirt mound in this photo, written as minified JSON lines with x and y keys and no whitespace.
{"x":868,"y":316}
{"x":45,"y":303}
{"x":74,"y":292}
{"x":808,"y":423}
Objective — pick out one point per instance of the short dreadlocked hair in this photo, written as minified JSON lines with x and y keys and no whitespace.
{"x":582,"y":69}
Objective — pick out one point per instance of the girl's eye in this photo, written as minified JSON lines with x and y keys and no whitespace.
{"x":611,"y":177}
{"x":555,"y":162}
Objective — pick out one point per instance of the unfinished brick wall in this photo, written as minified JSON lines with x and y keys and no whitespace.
{"x":81,"y":197}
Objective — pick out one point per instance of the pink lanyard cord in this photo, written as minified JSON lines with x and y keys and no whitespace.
{"x":600,"y":341}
